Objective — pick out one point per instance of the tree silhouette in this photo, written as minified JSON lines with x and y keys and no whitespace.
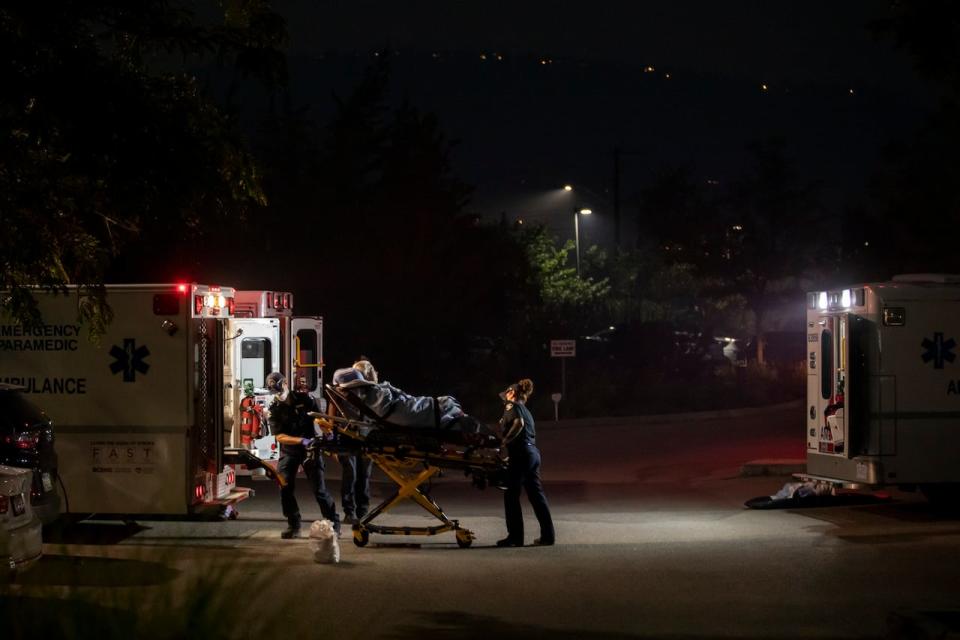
{"x":107,"y":139}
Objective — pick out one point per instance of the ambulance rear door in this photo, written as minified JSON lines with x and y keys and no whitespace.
{"x":832,"y":379}
{"x":306,"y":355}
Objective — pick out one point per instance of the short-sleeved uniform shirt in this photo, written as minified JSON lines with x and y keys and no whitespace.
{"x":528,"y":433}
{"x":291,"y":417}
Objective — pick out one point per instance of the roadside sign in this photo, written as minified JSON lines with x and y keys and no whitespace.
{"x":563,"y":348}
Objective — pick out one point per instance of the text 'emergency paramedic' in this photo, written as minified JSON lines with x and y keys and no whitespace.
{"x":47,"y":337}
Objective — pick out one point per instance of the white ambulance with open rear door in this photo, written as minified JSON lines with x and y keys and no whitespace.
{"x":883,"y":384}
{"x":139,"y":417}
{"x":262,"y":336}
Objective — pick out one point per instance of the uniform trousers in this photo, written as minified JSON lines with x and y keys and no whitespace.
{"x":523,"y":473}
{"x":291,"y":459}
{"x":355,"y":489}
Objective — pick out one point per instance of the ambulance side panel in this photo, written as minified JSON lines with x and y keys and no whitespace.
{"x":124,"y":421}
{"x":920,"y":368}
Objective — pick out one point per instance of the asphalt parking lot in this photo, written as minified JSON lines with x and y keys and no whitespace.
{"x":653,"y":541}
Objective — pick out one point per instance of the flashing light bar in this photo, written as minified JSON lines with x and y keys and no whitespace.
{"x":213,"y":301}
{"x":279,"y":300}
{"x":834,"y":300}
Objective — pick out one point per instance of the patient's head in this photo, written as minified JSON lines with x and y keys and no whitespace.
{"x":365,"y":367}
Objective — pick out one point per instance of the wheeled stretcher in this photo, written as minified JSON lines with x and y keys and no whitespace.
{"x":410,"y":456}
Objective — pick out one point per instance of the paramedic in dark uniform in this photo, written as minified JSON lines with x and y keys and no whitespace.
{"x":355,"y":485}
{"x":523,"y":469}
{"x":293,"y":427}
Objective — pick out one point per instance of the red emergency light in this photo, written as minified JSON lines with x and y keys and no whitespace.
{"x":182,"y":288}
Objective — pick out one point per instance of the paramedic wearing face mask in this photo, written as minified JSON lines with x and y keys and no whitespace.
{"x":293,"y":427}
{"x":523,"y":469}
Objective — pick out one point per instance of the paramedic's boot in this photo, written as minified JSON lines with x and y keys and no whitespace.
{"x":509,"y":542}
{"x":292,"y":530}
{"x":543,"y":542}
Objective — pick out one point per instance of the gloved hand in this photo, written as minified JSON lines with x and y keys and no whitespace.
{"x":307,"y":441}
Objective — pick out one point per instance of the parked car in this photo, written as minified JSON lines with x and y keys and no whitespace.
{"x":27,"y":442}
{"x":21,"y":542}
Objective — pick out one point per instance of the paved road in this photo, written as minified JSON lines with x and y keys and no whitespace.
{"x":653,"y":542}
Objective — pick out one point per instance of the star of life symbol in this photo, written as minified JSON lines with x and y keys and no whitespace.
{"x":938,"y":350}
{"x":129,"y":359}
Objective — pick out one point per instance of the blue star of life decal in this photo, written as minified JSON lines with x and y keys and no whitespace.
{"x":129,"y":359}
{"x":938,"y":350}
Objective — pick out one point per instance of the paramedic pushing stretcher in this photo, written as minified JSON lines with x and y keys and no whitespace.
{"x":523,"y":468}
{"x":293,"y":426}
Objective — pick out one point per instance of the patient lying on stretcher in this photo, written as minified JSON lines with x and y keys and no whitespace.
{"x":395,"y":408}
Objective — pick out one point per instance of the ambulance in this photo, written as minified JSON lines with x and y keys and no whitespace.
{"x":140,"y":414}
{"x":263,"y":335}
{"x":883,"y":384}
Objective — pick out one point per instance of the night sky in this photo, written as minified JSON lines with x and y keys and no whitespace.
{"x":537,"y":94}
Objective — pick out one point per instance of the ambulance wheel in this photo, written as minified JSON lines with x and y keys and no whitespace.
{"x":361,"y":537}
{"x":464,"y":538}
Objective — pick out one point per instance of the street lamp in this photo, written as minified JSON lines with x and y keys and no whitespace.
{"x":576,"y":232}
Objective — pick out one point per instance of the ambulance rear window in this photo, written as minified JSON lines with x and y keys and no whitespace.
{"x":308,"y":355}
{"x":255,"y":361}
{"x":826,"y":364}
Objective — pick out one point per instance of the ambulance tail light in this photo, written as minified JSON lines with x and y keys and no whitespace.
{"x":231,"y":305}
{"x":277,"y":301}
{"x":198,"y":305}
{"x":288,"y":301}
{"x":199,"y":491}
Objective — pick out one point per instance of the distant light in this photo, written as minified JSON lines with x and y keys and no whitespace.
{"x":850,"y":92}
{"x":612,"y":327}
{"x":764,"y":87}
{"x":567,"y":187}
{"x":649,"y":69}
{"x":483,"y":56}
{"x":585,"y":212}
{"x":667,"y":76}
{"x":737,"y":227}
{"x":519,"y":220}
{"x":499,"y":57}
{"x":867,"y":243}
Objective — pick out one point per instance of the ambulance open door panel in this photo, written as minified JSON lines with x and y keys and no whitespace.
{"x":306,"y":355}
{"x":837,"y":402}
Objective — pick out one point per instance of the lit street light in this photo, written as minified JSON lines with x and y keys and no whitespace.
{"x":576,"y":232}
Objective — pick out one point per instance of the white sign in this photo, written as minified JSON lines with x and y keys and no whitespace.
{"x":563,"y":348}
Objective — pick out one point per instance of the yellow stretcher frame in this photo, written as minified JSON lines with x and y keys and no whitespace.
{"x":409,"y":469}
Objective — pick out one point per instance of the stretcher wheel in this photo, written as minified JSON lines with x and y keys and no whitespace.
{"x":464,"y":538}
{"x":361,"y":537}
